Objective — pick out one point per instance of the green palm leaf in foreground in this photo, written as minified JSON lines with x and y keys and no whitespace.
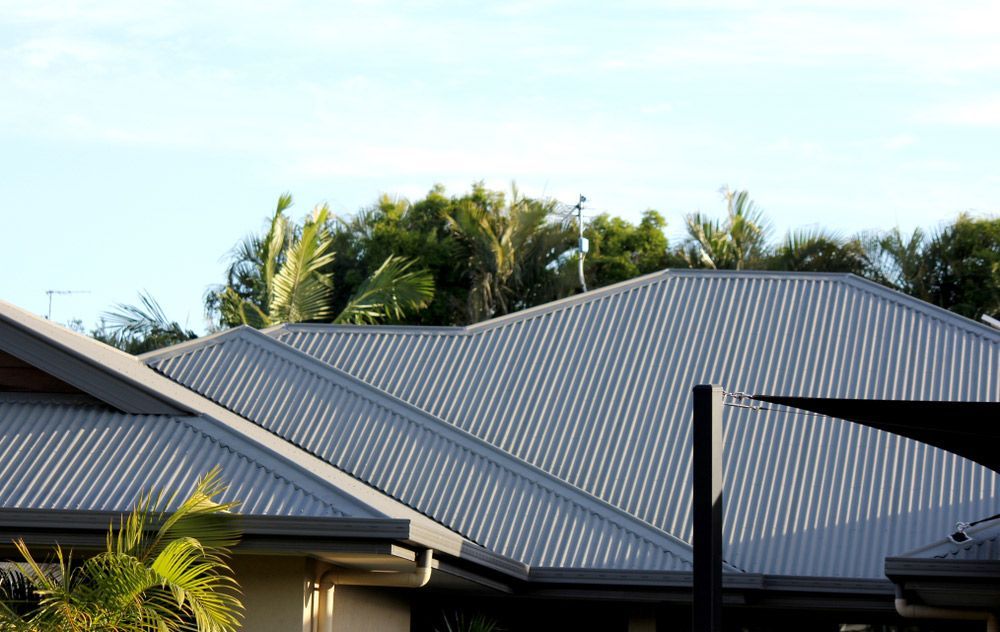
{"x":163,"y":572}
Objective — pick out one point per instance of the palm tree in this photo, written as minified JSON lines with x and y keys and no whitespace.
{"x":140,"y":328}
{"x":737,"y":243}
{"x":283,"y":277}
{"x":459,"y":621}
{"x":160,"y":571}
{"x":505,"y":240}
{"x":900,"y":261}
{"x":819,"y":250}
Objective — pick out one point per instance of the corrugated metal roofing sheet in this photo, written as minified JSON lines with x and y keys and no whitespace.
{"x":983,"y":545}
{"x":461,"y":481}
{"x":64,"y":453}
{"x":596,"y":390}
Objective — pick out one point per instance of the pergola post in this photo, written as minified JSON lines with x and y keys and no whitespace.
{"x":707,"y":509}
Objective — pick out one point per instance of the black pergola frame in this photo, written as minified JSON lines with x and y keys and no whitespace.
{"x":968,"y":429}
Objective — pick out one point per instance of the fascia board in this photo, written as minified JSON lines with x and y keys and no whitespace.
{"x":120,"y":389}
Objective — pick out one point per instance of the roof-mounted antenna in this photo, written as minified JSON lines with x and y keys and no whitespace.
{"x":48,"y":315}
{"x":960,"y":536}
{"x":583,"y":245}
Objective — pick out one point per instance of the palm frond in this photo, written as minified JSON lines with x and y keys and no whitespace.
{"x":393,"y":291}
{"x":141,"y":328}
{"x":300,"y":290}
{"x":160,"y":571}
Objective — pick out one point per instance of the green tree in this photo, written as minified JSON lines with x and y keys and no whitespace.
{"x":963,"y":267}
{"x":620,"y":250}
{"x":738,"y":242}
{"x":511,"y":247}
{"x":140,"y":328}
{"x":899,"y":261}
{"x":159,"y":571}
{"x":819,"y":250}
{"x":285,"y":276}
{"x":416,"y":231}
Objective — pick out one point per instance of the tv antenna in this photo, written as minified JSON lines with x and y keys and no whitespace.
{"x":48,"y":316}
{"x":583,"y":245}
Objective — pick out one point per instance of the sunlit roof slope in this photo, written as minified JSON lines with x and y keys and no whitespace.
{"x":484,"y":493}
{"x":595,"y":390}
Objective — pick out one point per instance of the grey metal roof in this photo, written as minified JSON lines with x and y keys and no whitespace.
{"x":983,"y":545}
{"x":595,"y":390}
{"x":61,"y":453}
{"x":470,"y":486}
{"x":126,"y":384}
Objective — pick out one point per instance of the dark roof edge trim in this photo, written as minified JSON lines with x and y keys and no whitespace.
{"x":735,"y":581}
{"x":297,"y":531}
{"x":67,"y":521}
{"x":900,"y":567}
{"x":84,"y":371}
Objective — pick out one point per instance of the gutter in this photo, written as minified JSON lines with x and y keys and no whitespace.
{"x":915,"y":611}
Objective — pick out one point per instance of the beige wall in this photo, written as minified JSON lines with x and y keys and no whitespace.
{"x":642,"y":620}
{"x":278,"y":597}
{"x":364,"y":609}
{"x":275,"y":591}
{"x":641,"y":623}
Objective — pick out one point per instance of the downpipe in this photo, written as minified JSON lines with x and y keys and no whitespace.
{"x":914,"y":611}
{"x":416,"y":578}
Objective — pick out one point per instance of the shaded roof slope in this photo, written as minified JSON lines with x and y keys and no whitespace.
{"x":595,"y":390}
{"x":470,"y":486}
{"x":57,"y":452}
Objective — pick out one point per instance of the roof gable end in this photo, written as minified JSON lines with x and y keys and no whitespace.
{"x":105,"y":373}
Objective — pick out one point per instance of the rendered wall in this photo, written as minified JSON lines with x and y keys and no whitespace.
{"x":275,"y":591}
{"x":642,"y":622}
{"x":363,"y":609}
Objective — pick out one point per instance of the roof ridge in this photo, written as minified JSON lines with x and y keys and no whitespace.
{"x":180,"y":348}
{"x":551,"y":306}
{"x":931,"y":310}
{"x":927,"y":308}
{"x":465,"y":439}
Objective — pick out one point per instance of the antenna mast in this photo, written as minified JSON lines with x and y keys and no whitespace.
{"x":48,"y":316}
{"x":582,"y":245}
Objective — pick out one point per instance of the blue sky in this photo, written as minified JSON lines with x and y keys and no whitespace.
{"x":140,"y":141}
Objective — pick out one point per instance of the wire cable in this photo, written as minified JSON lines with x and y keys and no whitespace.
{"x":742,"y":397}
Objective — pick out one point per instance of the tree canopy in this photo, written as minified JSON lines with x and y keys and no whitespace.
{"x":457,"y":259}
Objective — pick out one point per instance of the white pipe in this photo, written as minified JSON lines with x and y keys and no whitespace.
{"x":416,"y":578}
{"x":349,"y":577}
{"x":914,"y":611}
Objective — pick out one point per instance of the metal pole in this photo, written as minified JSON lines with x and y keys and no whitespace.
{"x":707,"y":509}
{"x":581,"y":247}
